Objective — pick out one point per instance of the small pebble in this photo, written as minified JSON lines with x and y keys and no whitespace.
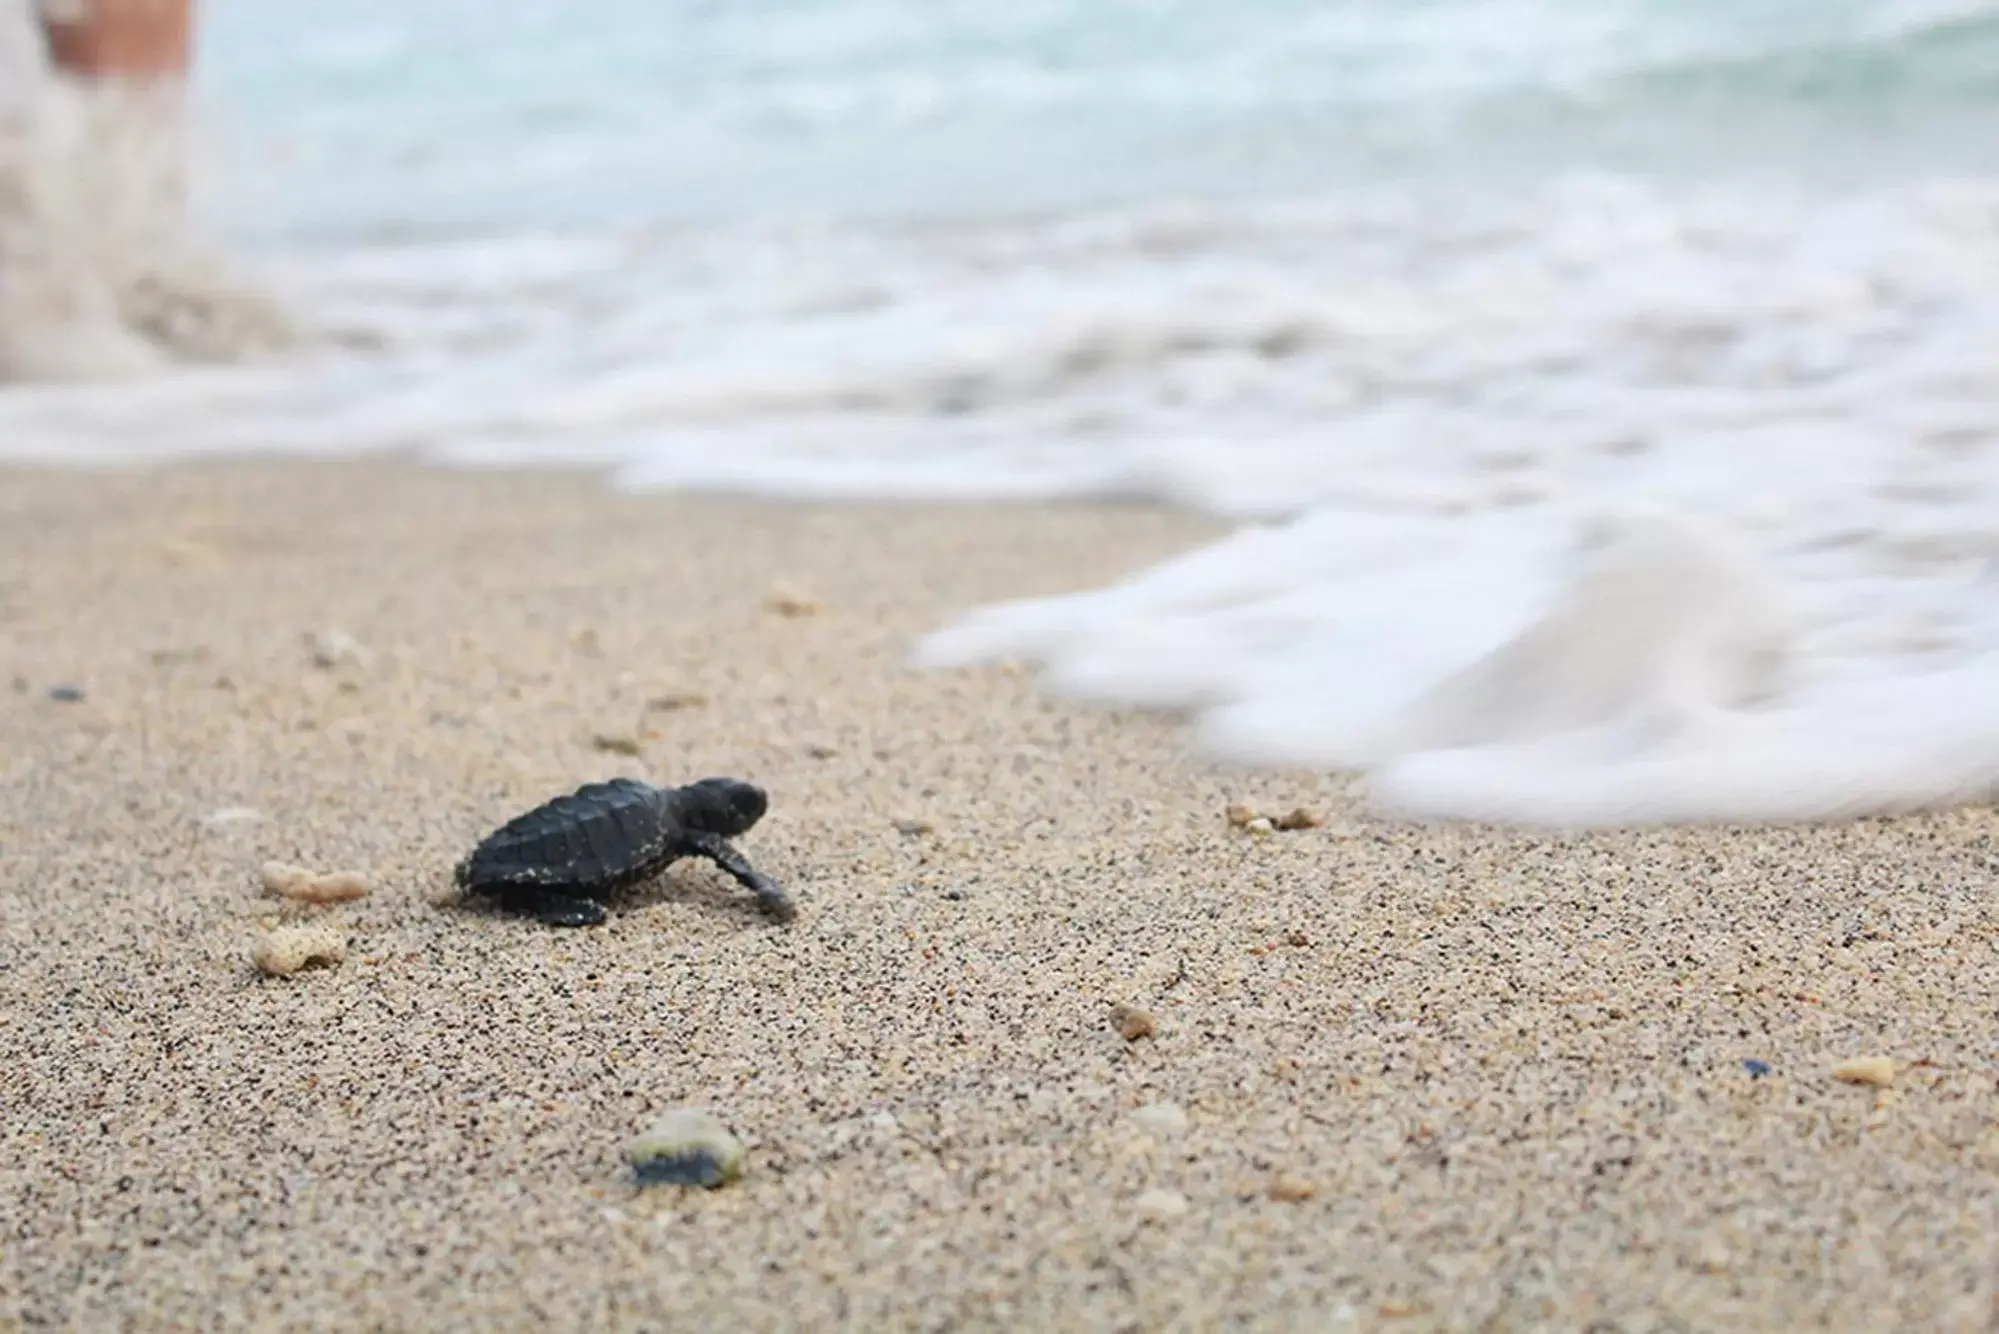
{"x":1160,"y":1206}
{"x":1298,"y":818}
{"x":1239,"y":815}
{"x":616,"y":743}
{"x":289,"y":948}
{"x":688,"y":1146}
{"x":685,"y":699}
{"x":1133,"y":1023}
{"x":1877,"y":1071}
{"x":66,"y":694}
{"x":914,"y":827}
{"x":335,"y":648}
{"x":1291,"y":1190}
{"x":790,"y":603}
{"x":295,"y":882}
{"x":1757,"y":1069}
{"x":1259,"y":826}
{"x":1160,"y":1118}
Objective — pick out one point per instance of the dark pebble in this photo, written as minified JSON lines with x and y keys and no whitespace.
{"x":66,"y":694}
{"x":1756,"y":1069}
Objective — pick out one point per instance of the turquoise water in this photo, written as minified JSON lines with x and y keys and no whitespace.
{"x":447,"y":114}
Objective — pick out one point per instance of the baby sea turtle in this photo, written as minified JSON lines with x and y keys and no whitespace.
{"x":559,"y":860}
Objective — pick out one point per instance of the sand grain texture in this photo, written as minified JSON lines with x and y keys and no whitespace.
{"x":1497,"y":1075}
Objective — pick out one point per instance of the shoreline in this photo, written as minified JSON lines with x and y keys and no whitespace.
{"x":1430,"y":1075}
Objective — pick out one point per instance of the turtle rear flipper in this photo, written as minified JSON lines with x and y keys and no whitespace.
{"x":551,"y":908}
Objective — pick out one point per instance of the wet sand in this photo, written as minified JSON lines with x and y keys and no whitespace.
{"x":1432,"y":1077}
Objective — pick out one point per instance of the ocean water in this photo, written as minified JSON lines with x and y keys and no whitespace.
{"x":1608,"y":393}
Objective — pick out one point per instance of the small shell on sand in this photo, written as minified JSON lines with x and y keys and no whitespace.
{"x":297,"y":883}
{"x":789,"y":602}
{"x":1246,"y":817}
{"x":1290,"y":1189}
{"x":1877,"y":1071}
{"x":335,"y":648}
{"x":1160,"y":1206}
{"x":688,"y":1146}
{"x":290,"y":948}
{"x":1133,"y":1023}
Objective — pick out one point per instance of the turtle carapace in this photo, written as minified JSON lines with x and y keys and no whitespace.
{"x":561,"y":860}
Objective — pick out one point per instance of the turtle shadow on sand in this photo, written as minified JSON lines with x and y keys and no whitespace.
{"x":691,"y":887}
{"x":564,"y":862}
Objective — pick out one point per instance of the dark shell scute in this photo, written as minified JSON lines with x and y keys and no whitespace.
{"x":599,"y":836}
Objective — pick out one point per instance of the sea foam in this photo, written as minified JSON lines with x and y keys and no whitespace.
{"x":1649,"y":672}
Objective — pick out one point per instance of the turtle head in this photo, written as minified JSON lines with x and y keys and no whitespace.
{"x":724,"y":806}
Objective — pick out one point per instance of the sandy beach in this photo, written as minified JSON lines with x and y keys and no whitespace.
{"x":1417,"y":1077}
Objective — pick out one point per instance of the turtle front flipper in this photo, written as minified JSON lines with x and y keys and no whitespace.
{"x":770,"y":895}
{"x":551,"y":908}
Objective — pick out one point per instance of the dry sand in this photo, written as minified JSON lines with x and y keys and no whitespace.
{"x":1432,"y":1077}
